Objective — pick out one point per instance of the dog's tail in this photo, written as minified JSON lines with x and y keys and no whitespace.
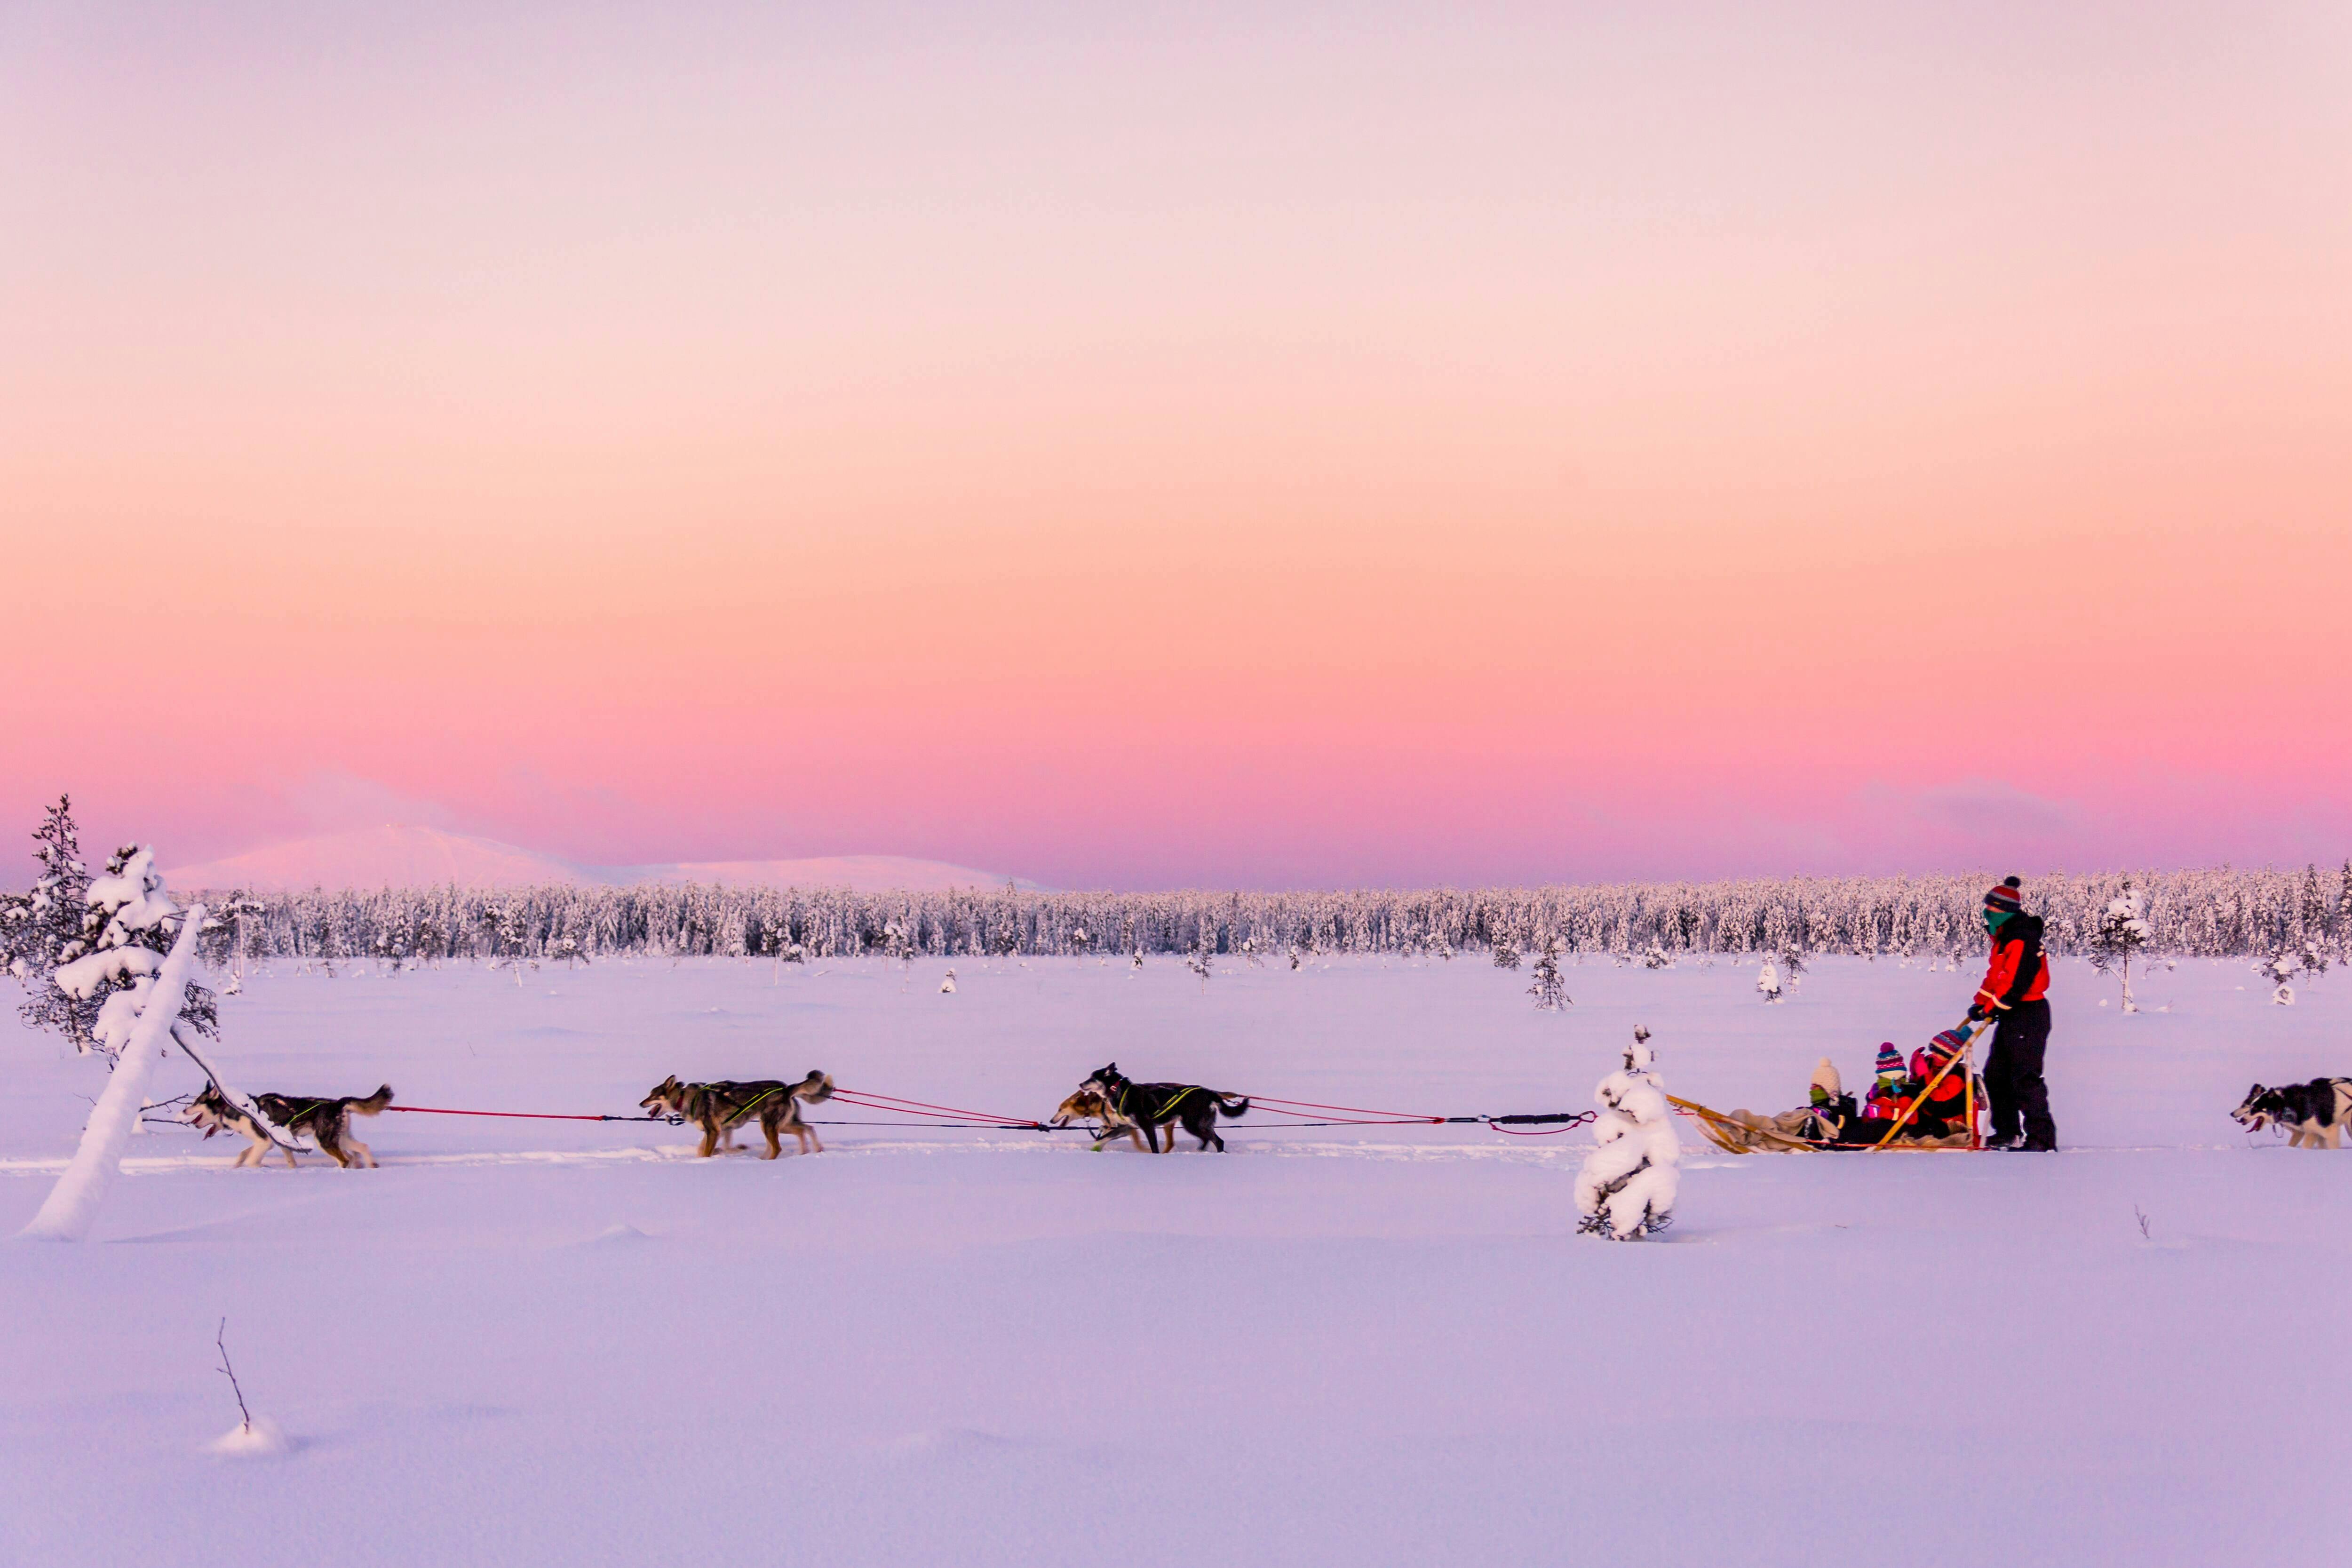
{"x":374,"y":1103}
{"x":1236,"y":1107}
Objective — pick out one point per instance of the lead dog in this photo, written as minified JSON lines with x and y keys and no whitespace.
{"x":2313,"y":1112}
{"x":1086,"y":1105}
{"x":327,"y":1122}
{"x":723,"y":1107}
{"x":1156,"y":1108}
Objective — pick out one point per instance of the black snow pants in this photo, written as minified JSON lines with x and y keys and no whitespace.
{"x":2012,"y":1077}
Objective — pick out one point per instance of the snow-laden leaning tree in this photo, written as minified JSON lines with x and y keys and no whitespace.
{"x":2122,"y":931}
{"x":123,"y":985}
{"x":1626,"y":1189}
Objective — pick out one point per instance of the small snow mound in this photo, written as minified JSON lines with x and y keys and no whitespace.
{"x":259,"y":1439}
{"x":613,"y":1233}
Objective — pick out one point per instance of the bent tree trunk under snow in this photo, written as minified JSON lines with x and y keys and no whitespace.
{"x":72,"y":1205}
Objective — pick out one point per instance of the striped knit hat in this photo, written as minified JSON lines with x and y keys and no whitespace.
{"x":2005,"y":898}
{"x":1890,"y":1060}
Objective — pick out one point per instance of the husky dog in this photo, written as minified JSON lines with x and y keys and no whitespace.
{"x":2313,"y":1112}
{"x":1156,"y":1108}
{"x":1086,"y":1105}
{"x":721,"y":1108}
{"x":327,"y":1122}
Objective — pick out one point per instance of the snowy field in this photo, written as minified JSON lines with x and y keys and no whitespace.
{"x":568,"y":1343}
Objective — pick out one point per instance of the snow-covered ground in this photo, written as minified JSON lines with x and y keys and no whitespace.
{"x":567,"y":1343}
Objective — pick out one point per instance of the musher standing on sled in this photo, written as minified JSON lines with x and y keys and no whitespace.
{"x":2015,"y":987}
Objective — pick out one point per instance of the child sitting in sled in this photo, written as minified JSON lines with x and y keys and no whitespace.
{"x":1890,"y":1092}
{"x":1939,"y":1115}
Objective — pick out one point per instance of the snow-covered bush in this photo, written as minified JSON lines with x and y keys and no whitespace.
{"x":1655,"y":957}
{"x":1626,"y":1188}
{"x":1767,"y":981}
{"x":2122,"y":931}
{"x":2280,"y":969}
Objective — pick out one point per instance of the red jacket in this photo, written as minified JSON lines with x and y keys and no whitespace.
{"x":2019,"y":972}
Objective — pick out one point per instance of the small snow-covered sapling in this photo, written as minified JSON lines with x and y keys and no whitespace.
{"x":1627,"y":1187}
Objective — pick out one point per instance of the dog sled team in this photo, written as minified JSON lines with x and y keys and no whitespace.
{"x":1930,"y":1099}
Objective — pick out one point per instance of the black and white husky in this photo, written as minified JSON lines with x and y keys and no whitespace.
{"x":326,"y":1123}
{"x":2313,"y":1112}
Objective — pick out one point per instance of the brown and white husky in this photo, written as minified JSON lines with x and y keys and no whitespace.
{"x":721,"y":1108}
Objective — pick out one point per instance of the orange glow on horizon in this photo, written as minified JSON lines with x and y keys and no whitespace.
{"x":1556,"y":444}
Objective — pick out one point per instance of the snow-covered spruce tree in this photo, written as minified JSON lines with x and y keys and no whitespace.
{"x":2344,"y":916}
{"x":1550,"y":991}
{"x":1627,"y":1185}
{"x":2279,"y":969}
{"x":1767,"y":981}
{"x":2311,"y":924}
{"x":240,"y":915}
{"x":2122,"y":931}
{"x":1507,"y":948}
{"x":42,"y":927}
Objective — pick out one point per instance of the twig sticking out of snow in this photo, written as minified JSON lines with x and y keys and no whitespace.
{"x":254,"y":1436}
{"x":220,"y":1340}
{"x":2142,"y":1223}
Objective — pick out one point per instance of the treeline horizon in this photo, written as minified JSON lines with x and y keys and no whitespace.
{"x":2220,"y":912}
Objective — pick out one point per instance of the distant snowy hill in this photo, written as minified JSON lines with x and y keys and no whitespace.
{"x":864,"y":873}
{"x":405,"y":856}
{"x":393,"y":856}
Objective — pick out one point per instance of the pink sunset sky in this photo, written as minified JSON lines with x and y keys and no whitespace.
{"x":1152,"y":444}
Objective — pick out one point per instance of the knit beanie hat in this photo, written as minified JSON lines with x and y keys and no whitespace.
{"x":1827,"y":1085}
{"x":2004,"y":900}
{"x":1890,"y":1060}
{"x":1946,"y":1045}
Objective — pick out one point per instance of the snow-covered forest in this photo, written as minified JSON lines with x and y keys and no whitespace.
{"x":2306,"y":914}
